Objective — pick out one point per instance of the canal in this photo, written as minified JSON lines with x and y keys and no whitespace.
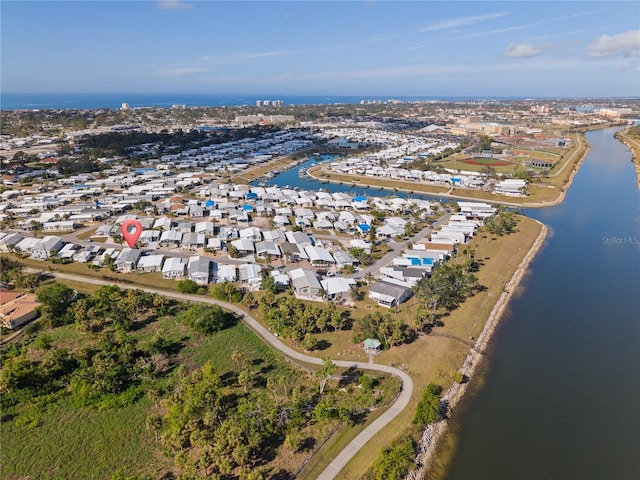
{"x":559,"y":393}
{"x":560,"y":398}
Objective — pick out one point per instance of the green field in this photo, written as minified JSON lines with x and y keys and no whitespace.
{"x":53,"y":436}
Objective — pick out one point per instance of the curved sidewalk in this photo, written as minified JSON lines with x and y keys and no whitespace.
{"x":347,"y":453}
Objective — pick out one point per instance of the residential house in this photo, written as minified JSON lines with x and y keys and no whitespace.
{"x":337,"y":288}
{"x":244,"y":246}
{"x":267,"y":249}
{"x":61,"y":226}
{"x":9,"y":241}
{"x":17,"y":309}
{"x":226,"y":273}
{"x":250,"y":275}
{"x":174,"y":267}
{"x":343,"y":259}
{"x":319,"y":257}
{"x":275,"y":236}
{"x":252,"y":233}
{"x":150,"y":263}
{"x":299,"y":238}
{"x":305,"y":284}
{"x":293,"y":252}
{"x":205,"y":228}
{"x":199,"y":269}
{"x":127,"y":260}
{"x":192,"y":241}
{"x":170,"y":238}
{"x":47,"y":247}
{"x":389,"y":294}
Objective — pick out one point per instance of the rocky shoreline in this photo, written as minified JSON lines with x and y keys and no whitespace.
{"x":434,"y":432}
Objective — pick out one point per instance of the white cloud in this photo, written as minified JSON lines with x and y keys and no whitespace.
{"x":525,"y":50}
{"x":460,"y":22}
{"x":173,"y":5}
{"x":529,"y":25}
{"x":626,"y":44}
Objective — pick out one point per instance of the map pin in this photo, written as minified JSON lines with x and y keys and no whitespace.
{"x":131,"y":230}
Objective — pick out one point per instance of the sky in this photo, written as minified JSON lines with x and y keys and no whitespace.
{"x":404,"y":48}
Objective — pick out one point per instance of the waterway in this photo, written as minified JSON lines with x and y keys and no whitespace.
{"x":292,"y":179}
{"x":561,"y":394}
{"x":560,"y":390}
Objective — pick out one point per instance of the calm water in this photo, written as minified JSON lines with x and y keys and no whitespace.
{"x":292,"y":179}
{"x":31,"y":101}
{"x":562,"y":392}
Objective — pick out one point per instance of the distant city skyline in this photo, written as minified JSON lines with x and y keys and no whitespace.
{"x":386,"y":48}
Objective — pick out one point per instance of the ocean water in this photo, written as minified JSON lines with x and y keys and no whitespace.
{"x":35,"y":101}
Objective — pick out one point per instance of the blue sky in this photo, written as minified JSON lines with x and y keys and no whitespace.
{"x":426,"y":48}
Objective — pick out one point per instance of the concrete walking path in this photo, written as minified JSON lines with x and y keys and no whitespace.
{"x":332,"y":470}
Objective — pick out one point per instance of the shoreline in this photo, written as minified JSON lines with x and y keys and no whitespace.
{"x":434,"y":433}
{"x":559,"y":199}
{"x":633,"y":145}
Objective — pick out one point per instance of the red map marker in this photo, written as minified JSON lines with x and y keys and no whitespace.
{"x":131,"y":230}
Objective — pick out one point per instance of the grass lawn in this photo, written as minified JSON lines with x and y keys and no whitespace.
{"x":29,"y":446}
{"x":65,"y":441}
{"x":150,"y":280}
{"x":432,"y":358}
{"x":88,"y":234}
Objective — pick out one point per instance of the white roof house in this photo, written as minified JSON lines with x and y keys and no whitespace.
{"x":267,"y":249}
{"x":305,"y":284}
{"x":275,"y":236}
{"x":174,"y":267}
{"x":388,"y":294}
{"x":337,"y":287}
{"x":199,"y":269}
{"x":319,"y":256}
{"x":226,"y":273}
{"x":128,"y":259}
{"x":244,"y":245}
{"x":150,"y":263}
{"x":46,"y":247}
{"x":250,"y":275}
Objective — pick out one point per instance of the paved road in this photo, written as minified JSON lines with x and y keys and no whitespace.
{"x":398,"y":247}
{"x":357,"y":443}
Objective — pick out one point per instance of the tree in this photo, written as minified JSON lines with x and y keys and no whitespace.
{"x":428,"y":409}
{"x":237,"y":357}
{"x":189,"y":286}
{"x":310,"y":342}
{"x":10,"y":270}
{"x":269,"y":284}
{"x":54,"y":298}
{"x":394,"y":462}
{"x":372,"y":234}
{"x":208,"y":319}
{"x":232,"y":251}
{"x":227,"y":291}
{"x":244,"y":377}
{"x":457,"y":376}
{"x":328,"y":369}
